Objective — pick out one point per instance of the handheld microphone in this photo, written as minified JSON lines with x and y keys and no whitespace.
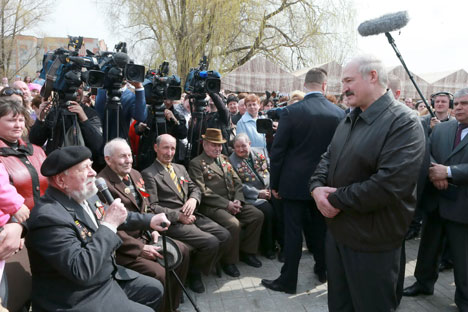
{"x":102,"y":187}
{"x":163,"y":224}
{"x":384,"y":24}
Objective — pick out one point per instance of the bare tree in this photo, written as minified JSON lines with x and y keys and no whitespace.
{"x":17,"y":17}
{"x":295,"y":33}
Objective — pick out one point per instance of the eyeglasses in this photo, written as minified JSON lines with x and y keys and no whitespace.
{"x":10,"y":92}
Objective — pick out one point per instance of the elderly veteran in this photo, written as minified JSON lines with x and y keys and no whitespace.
{"x":251,"y":165}
{"x":172,"y":191}
{"x":223,"y":201}
{"x":137,"y":252}
{"x":72,"y":240}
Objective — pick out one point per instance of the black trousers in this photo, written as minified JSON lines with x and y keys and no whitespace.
{"x":361,"y":281}
{"x":430,"y":249}
{"x":267,"y":241}
{"x":294,"y":211}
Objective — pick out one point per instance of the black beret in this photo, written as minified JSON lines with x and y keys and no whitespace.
{"x":63,"y":158}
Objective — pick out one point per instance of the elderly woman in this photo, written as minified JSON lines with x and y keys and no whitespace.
{"x":251,"y":164}
{"x":248,"y":123}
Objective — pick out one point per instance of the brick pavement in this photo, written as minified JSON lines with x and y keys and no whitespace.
{"x":245,"y":294}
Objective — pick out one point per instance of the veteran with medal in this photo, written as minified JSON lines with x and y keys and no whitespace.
{"x":71,"y":243}
{"x":224,"y":202}
{"x":173,"y":192}
{"x":251,"y":165}
{"x":137,"y":251}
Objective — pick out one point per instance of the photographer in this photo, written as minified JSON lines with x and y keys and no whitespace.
{"x":132,"y":105}
{"x":64,"y":126}
{"x":219,"y":118}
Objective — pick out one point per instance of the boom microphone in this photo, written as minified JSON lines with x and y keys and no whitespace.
{"x":384,"y":24}
{"x":102,"y":187}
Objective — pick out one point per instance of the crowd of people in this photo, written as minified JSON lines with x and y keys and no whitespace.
{"x":355,"y":177}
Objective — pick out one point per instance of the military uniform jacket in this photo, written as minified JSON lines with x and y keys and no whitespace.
{"x":134,"y":240}
{"x":218,"y":184}
{"x":164,"y":195}
{"x":72,"y":263}
{"x":253,"y":179}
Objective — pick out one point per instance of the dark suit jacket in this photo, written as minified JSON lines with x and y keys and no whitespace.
{"x":453,"y":202}
{"x":305,"y":129}
{"x":132,"y":241}
{"x":164,"y":196}
{"x":218,"y":186}
{"x":71,"y":260}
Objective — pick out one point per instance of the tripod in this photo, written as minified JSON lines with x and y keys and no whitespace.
{"x":166,"y":267}
{"x":197,"y":125}
{"x":113,"y":103}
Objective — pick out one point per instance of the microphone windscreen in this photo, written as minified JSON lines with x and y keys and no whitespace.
{"x":101,"y":184}
{"x":121,"y":59}
{"x":383,"y":24}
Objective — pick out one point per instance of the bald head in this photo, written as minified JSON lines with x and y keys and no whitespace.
{"x":165,"y":147}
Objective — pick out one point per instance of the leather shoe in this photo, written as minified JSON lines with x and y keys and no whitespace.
{"x":445,"y":265}
{"x":196,"y":284}
{"x":411,"y":234}
{"x":415,"y":290}
{"x":321,"y":276}
{"x":231,"y":270}
{"x":269,"y":254}
{"x":276,"y":286}
{"x":251,"y":260}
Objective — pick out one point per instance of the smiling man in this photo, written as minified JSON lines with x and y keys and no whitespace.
{"x":365,"y":186}
{"x":137,"y":251}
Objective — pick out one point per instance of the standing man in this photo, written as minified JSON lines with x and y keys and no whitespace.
{"x":71,"y":243}
{"x":172,"y":191}
{"x":137,"y":252}
{"x":304,"y":132}
{"x":223,"y":201}
{"x":447,"y":205}
{"x":365,"y":185}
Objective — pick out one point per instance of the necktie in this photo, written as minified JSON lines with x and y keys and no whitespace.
{"x":460,"y":128}
{"x":174,"y":178}
{"x":354,"y":115}
{"x":126,"y":180}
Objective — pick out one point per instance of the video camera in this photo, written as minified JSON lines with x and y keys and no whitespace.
{"x":159,"y":87}
{"x":201,"y":81}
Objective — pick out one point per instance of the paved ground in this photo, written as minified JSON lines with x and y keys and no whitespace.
{"x":245,"y":294}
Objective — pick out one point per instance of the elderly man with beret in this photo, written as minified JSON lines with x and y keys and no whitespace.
{"x":72,"y":240}
{"x":223,"y":201}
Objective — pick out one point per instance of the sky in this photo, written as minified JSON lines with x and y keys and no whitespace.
{"x":434,"y":40}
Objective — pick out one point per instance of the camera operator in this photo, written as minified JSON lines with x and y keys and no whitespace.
{"x":132,"y":105}
{"x":219,"y":118}
{"x":175,"y":125}
{"x":51,"y":119}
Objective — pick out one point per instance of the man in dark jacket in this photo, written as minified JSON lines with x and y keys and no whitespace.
{"x":365,"y":186}
{"x":304,"y":132}
{"x":74,"y":124}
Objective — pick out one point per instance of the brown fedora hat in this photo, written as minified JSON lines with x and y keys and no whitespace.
{"x":213,"y":135}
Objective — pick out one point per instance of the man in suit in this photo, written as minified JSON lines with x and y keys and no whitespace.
{"x":223,"y":201}
{"x":305,"y":129}
{"x":137,"y":252}
{"x":72,"y":238}
{"x":447,"y":201}
{"x":251,"y":165}
{"x":172,"y":191}
{"x":365,"y":186}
